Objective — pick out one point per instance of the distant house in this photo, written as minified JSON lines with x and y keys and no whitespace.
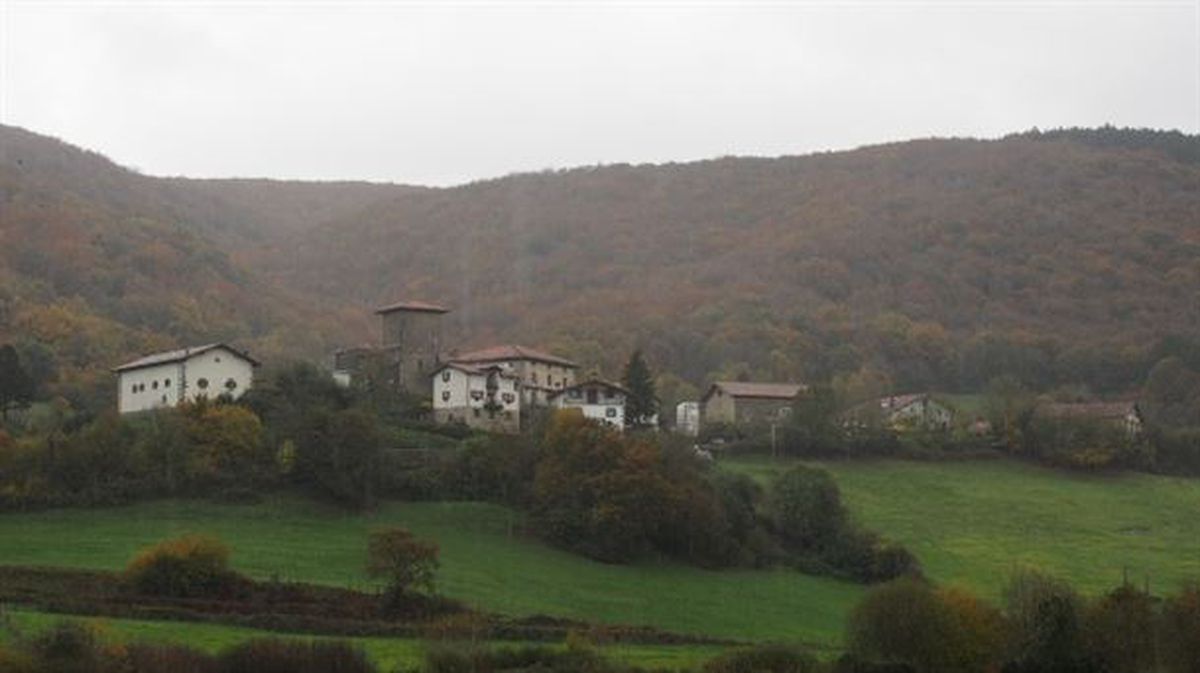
{"x":900,"y":412}
{"x":541,"y":374}
{"x":687,"y":418}
{"x":1123,"y":415}
{"x":484,"y":397}
{"x":168,"y":378}
{"x":744,"y":403}
{"x":598,"y":400}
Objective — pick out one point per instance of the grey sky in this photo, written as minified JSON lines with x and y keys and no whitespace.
{"x":440,"y":94}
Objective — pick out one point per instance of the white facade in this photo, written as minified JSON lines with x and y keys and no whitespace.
{"x":598,"y":400}
{"x":476,"y":396}
{"x":687,"y":418}
{"x":166,"y":379}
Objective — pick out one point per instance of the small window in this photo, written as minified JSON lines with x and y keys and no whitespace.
{"x":230,"y":385}
{"x":533,"y":377}
{"x":202,"y":384}
{"x":154,"y":385}
{"x":446,"y":376}
{"x":164,"y":399}
{"x":167,"y":383}
{"x":445,"y":395}
{"x":133,"y":388}
{"x":217,"y":359}
{"x":476,"y":413}
{"x":610,"y":412}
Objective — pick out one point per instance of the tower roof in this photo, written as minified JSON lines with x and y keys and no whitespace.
{"x":419,"y":306}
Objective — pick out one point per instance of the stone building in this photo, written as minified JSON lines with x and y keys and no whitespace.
{"x":744,"y":403}
{"x":406,"y":355}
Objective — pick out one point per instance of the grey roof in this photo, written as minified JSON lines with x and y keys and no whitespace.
{"x":421,"y":306}
{"x":777,"y":391}
{"x":167,"y":357}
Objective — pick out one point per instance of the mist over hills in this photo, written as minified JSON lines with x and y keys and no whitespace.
{"x":1062,"y":257}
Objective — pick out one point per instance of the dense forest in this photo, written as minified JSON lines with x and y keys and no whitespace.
{"x":1065,"y":257}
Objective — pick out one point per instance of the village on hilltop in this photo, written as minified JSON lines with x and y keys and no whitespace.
{"x":494,"y":388}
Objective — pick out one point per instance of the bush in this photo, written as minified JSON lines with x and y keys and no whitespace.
{"x":910,"y":622}
{"x":272,"y":655}
{"x":1179,"y":631}
{"x":805,"y":506}
{"x":191,"y":566}
{"x":405,"y":563}
{"x":443,"y":659}
{"x":763,"y":659}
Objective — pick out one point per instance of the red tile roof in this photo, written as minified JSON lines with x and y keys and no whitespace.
{"x":412,"y":306}
{"x":510,"y":352}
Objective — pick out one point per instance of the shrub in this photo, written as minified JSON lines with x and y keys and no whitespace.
{"x":405,"y":563}
{"x":273,"y":655}
{"x":1120,"y":631}
{"x":763,"y":659}
{"x":143,"y":658}
{"x":185,"y":567}
{"x":1179,"y":631}
{"x":806,"y":507}
{"x":1043,"y":614}
{"x":443,"y":659}
{"x":910,"y":622}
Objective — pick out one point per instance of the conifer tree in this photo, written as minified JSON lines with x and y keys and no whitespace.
{"x":642,"y":403}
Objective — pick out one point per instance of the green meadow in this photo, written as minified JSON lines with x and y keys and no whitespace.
{"x":483,"y":564}
{"x":970,"y":523}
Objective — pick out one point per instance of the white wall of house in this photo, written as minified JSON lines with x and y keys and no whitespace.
{"x":149,"y":388}
{"x":606,"y":405}
{"x":455,"y":390}
{"x":215,"y":373}
{"x":687,"y":418}
{"x":209,"y":374}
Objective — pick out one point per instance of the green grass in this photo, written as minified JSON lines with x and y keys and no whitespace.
{"x":482,"y":564}
{"x":972,"y":523}
{"x":387,"y":653}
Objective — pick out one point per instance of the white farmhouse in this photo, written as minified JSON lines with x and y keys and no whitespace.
{"x":541,"y":374}
{"x":598,"y":400}
{"x":488,"y":398}
{"x":166,"y":379}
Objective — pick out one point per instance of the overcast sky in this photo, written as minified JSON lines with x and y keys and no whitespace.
{"x":440,"y":94}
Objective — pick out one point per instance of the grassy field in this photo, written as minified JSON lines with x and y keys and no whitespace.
{"x":482,"y":564}
{"x":387,"y":653}
{"x":972,"y":523}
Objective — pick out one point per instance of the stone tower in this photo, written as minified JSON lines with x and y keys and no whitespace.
{"x":411,"y":341}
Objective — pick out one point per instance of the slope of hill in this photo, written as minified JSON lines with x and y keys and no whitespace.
{"x":1060,"y":257}
{"x":940,"y":262}
{"x":98,"y":263}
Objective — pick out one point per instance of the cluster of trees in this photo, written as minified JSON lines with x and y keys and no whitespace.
{"x":296,"y":428}
{"x":620,"y":497}
{"x":1043,"y":626}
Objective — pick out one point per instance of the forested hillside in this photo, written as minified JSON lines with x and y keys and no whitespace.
{"x":1062,"y":257}
{"x":98,"y":263}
